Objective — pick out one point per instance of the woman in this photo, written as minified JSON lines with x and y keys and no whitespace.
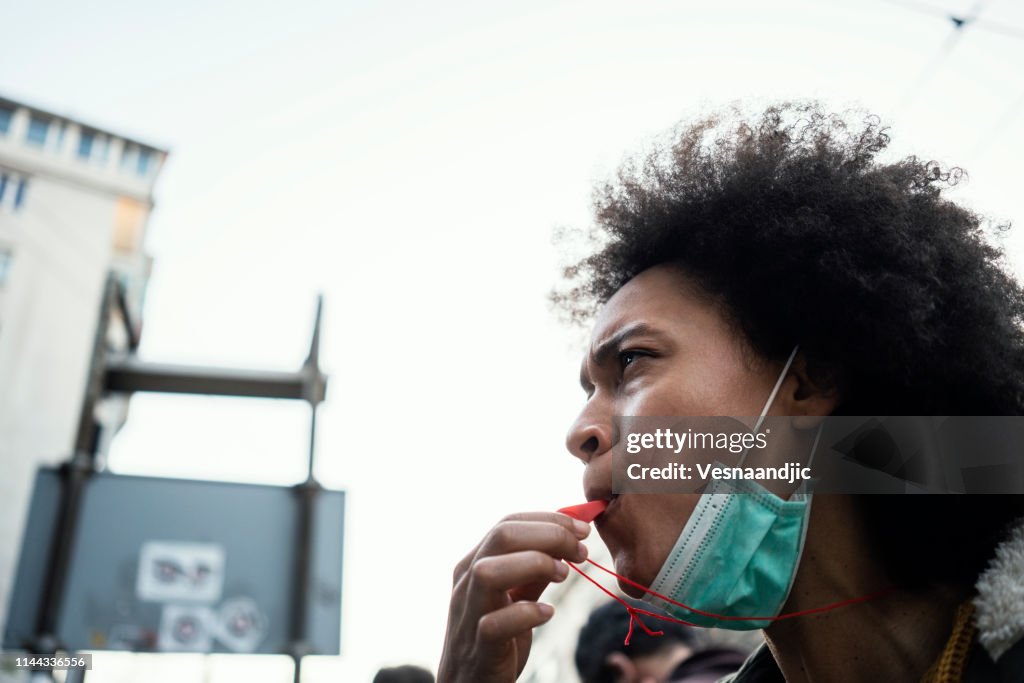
{"x":719,"y":255}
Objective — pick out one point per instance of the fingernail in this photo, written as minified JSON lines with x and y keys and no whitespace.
{"x":561,"y":570}
{"x":582,"y":528}
{"x":546,"y":610}
{"x":581,"y":551}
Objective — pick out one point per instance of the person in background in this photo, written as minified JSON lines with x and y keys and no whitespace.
{"x":681,"y":655}
{"x":403,"y":674}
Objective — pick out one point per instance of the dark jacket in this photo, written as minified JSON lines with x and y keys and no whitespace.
{"x":1009,"y":668}
{"x":707,"y":666}
{"x":760,"y":667}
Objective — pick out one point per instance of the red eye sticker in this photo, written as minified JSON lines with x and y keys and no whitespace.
{"x":585,"y":512}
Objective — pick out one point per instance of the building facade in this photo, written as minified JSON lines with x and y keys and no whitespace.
{"x":74,"y":204}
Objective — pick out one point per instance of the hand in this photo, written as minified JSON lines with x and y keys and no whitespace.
{"x":494,"y":606}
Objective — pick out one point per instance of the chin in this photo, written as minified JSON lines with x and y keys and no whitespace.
{"x":625,"y":566}
{"x":631,"y":590}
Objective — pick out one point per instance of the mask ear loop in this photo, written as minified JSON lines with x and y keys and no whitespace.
{"x":771,"y":400}
{"x":814,"y":446}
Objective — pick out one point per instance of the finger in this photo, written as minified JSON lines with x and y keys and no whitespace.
{"x":580,"y":529}
{"x":576,"y":527}
{"x":491,"y":578}
{"x":513,"y":536}
{"x":463,"y":566}
{"x":504,"y":572}
{"x":495,"y":629}
{"x":530,"y":591}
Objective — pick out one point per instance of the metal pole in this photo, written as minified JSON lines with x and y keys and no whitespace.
{"x":76,"y":473}
{"x":75,"y":676}
{"x":306,"y":494}
{"x":131,"y":374}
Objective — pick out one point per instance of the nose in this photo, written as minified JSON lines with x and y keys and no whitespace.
{"x":591,"y":434}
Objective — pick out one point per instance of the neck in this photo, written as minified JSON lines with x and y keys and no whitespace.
{"x":894,"y":637}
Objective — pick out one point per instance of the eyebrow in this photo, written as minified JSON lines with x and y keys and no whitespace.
{"x":608,"y":346}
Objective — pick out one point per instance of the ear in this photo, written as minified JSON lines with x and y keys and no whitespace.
{"x":806,"y":399}
{"x":623,"y":665}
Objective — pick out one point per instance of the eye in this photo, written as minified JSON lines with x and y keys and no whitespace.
{"x":629,"y":356}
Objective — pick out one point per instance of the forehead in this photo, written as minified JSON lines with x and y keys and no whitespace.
{"x":661,"y":297}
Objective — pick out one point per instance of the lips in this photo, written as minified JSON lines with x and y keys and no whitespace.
{"x":597,"y":487}
{"x":612,"y":503}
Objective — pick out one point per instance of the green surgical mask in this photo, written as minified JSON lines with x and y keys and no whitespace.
{"x":738,"y":553}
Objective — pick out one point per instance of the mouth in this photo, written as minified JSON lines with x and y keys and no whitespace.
{"x":612,"y":503}
{"x":609,"y":501}
{"x":598,"y":490}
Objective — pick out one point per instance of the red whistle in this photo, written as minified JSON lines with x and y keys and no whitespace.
{"x":585,"y":512}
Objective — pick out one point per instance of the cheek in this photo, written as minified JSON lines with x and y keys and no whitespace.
{"x":652,"y":526}
{"x":663,"y":394}
{"x":725,"y":390}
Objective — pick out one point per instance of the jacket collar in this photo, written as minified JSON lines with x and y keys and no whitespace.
{"x":1000,"y":602}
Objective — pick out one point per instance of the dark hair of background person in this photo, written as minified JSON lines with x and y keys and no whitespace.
{"x":403,"y":674}
{"x":604,"y":633}
{"x":790,"y":222}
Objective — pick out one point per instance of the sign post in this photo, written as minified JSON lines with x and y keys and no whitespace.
{"x":195,"y":585}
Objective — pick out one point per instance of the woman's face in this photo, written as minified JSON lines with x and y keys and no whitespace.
{"x":657,"y":349}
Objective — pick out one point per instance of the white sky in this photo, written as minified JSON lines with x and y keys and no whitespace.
{"x":411,"y":160}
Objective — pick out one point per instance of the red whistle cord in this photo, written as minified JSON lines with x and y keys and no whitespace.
{"x":634,"y":612}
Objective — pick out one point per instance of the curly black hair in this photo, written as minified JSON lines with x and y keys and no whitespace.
{"x":895,"y":294}
{"x":890,"y":289}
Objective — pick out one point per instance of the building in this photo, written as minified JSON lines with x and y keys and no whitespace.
{"x":74,"y":203}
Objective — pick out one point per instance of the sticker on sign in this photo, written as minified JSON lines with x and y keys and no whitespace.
{"x":174,"y":571}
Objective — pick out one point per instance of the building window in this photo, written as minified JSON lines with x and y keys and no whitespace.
{"x":62,"y":129}
{"x":129,"y":224}
{"x":129,"y":157}
{"x":38,"y":127}
{"x":6,"y":257}
{"x":6,"y":114}
{"x":12,"y":191}
{"x":19,"y":194}
{"x":85,"y":144}
{"x":102,"y":149}
{"x":145,"y":162}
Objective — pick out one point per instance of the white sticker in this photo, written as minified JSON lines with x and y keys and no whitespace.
{"x":185,"y":628}
{"x":172,"y":571}
{"x":240,"y":625}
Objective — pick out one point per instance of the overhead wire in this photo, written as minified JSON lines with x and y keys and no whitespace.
{"x":960,"y":23}
{"x":952,"y":39}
